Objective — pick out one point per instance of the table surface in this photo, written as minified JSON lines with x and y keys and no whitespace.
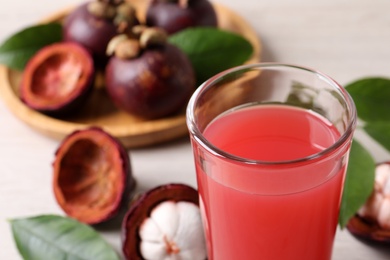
{"x":342,"y":38}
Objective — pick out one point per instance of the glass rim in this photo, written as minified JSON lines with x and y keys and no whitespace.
{"x":199,"y":137}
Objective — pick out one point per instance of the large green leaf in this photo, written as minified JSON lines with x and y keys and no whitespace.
{"x":372,"y":98}
{"x":380,"y":131}
{"x":212,"y":50}
{"x":20,"y":47}
{"x":359,"y":182}
{"x":50,"y":237}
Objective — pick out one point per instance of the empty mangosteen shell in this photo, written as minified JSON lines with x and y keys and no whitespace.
{"x":82,"y":143}
{"x":141,"y":209}
{"x":38,"y":67}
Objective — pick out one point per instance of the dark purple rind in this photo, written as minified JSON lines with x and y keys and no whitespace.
{"x":92,"y":32}
{"x":81,"y":26}
{"x":158,"y":83}
{"x":142,"y":208}
{"x":173,"y":18}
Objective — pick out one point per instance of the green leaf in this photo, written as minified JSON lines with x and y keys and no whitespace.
{"x":212,"y":50}
{"x":55,"y":237}
{"x":372,"y":98}
{"x":359,"y":182}
{"x":20,"y":47}
{"x":380,"y":131}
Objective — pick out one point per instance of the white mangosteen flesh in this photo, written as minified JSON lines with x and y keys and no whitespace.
{"x":173,"y":232}
{"x":377,"y":206}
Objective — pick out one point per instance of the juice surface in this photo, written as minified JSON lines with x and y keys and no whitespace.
{"x":243,"y":224}
{"x":271,"y":133}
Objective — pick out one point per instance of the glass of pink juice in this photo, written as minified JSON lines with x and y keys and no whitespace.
{"x":271,"y":144}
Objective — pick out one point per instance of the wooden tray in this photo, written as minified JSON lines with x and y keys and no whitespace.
{"x":99,"y":110}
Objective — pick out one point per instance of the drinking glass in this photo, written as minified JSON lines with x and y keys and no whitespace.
{"x":271,"y":145}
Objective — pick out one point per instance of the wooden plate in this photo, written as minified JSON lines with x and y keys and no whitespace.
{"x":99,"y":110}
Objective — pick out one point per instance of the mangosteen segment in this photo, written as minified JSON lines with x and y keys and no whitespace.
{"x":57,"y":78}
{"x":92,"y":176}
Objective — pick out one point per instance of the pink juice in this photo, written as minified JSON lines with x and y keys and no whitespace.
{"x":270,"y":211}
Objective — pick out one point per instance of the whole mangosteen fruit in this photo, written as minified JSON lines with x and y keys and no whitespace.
{"x":147,"y":76}
{"x":176,"y":15}
{"x":94,"y":23}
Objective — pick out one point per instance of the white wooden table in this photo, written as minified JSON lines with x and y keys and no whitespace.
{"x":343,"y":38}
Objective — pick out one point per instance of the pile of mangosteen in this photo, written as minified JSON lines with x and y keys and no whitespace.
{"x":145,"y":76}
